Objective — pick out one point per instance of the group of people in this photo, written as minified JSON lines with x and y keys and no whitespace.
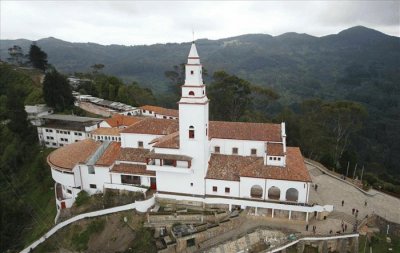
{"x":314,"y":228}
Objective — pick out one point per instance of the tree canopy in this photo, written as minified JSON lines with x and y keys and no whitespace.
{"x":57,"y":92}
{"x":37,"y":57}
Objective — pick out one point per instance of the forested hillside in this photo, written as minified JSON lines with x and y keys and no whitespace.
{"x":359,"y":65}
{"x":25,"y":182}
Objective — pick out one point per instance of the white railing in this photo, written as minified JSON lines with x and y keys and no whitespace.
{"x":141,"y":206}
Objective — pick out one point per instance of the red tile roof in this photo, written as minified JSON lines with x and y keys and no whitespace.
{"x":167,"y":141}
{"x":245,"y":131}
{"x":275,"y":149}
{"x":135,"y":169}
{"x":69,"y":156}
{"x":153,"y":126}
{"x":110,"y":154}
{"x":228,"y":167}
{"x":161,"y":110}
{"x":118,"y":120}
{"x":133,"y":155}
{"x":114,"y":131}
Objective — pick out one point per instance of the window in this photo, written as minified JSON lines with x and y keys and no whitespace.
{"x":57,"y":131}
{"x":227,"y":190}
{"x":91,"y":169}
{"x":93,"y":186}
{"x":191,"y":72}
{"x":164,"y":117}
{"x":235,"y":151}
{"x":215,"y":189}
{"x":216,"y":149}
{"x":270,"y":158}
{"x":47,"y":143}
{"x":54,"y":144}
{"x":61,"y":144}
{"x":127,"y":179}
{"x":69,"y":191}
{"x":203,"y":92}
{"x":191,"y":93}
{"x":279,"y":158}
{"x":169,"y":162}
{"x":191,"y":184}
{"x":191,"y":132}
{"x":140,"y":144}
{"x":253,"y":151}
{"x":274,"y":158}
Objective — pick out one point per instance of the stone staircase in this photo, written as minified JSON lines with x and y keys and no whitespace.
{"x":351,"y":219}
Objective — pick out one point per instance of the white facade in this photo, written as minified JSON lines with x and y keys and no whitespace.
{"x":182,"y":169}
{"x":55,"y":137}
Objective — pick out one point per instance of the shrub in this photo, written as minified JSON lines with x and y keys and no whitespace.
{"x":82,"y":198}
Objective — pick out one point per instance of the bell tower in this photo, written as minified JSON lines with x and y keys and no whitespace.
{"x":193,"y":120}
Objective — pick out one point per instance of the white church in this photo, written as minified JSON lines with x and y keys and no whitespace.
{"x":190,"y":160}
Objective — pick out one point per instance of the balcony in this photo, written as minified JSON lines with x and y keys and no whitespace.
{"x":63,"y":177}
{"x":169,"y":163}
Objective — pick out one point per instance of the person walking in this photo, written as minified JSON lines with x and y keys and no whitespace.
{"x":342,"y":202}
{"x":365,"y":203}
{"x":352,"y":211}
{"x":307,"y":227}
{"x":345,"y":227}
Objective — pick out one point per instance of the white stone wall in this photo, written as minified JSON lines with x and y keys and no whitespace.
{"x":129,"y":140}
{"x":100,"y":177}
{"x":244,"y":146}
{"x":234,"y":187}
{"x":246,"y":183}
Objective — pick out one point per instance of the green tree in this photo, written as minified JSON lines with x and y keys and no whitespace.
{"x":56,"y":91}
{"x":230,"y":96}
{"x":16,"y":55}
{"x":37,"y":57}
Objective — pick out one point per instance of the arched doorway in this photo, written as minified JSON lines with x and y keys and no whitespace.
{"x":292,"y":194}
{"x":274,"y":193}
{"x":256,"y":191}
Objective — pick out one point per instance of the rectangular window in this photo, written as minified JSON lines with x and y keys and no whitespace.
{"x":235,"y":151}
{"x":164,"y":117}
{"x":140,"y":144}
{"x":91,"y":169}
{"x":47,"y":143}
{"x":217,"y":149}
{"x":93,"y":186}
{"x":61,"y":144}
{"x":57,"y":131}
{"x":227,"y":190}
{"x":215,"y":189}
{"x":69,"y":191}
{"x":169,"y":162}
{"x":253,"y":151}
{"x":127,"y":179}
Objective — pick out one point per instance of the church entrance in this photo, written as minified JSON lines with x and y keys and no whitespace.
{"x":153,"y":184}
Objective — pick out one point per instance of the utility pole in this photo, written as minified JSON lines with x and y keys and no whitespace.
{"x":347,"y":170}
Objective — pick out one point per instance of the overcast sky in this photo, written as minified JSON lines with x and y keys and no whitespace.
{"x":149,"y":22}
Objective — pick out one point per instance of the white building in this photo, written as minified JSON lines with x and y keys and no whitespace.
{"x":193,"y":160}
{"x":57,"y":130}
{"x":159,"y":112}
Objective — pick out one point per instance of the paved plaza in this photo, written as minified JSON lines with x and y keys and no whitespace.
{"x":331,"y":191}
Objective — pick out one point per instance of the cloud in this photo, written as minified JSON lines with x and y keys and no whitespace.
{"x":140,"y":22}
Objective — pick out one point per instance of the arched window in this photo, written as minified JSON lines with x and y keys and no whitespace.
{"x":191,"y":72}
{"x":292,"y":194}
{"x":274,"y":193}
{"x":256,"y":191}
{"x":191,"y":93}
{"x":191,"y":132}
